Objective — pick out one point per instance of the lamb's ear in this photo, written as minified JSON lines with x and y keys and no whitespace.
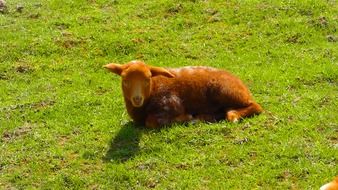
{"x":155,"y":71}
{"x":115,"y":68}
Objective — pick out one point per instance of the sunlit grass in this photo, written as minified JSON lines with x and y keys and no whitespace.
{"x":62,"y":118}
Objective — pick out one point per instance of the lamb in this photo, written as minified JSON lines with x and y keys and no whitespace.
{"x":156,"y":96}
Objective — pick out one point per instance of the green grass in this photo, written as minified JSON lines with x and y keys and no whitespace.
{"x":63,"y":124}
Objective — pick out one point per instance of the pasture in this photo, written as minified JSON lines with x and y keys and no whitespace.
{"x":63,"y":123}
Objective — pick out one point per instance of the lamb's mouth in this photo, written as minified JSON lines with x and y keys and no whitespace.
{"x":137,"y":102}
{"x":137,"y":105}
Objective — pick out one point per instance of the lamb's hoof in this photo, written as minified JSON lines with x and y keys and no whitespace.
{"x":151,"y":122}
{"x":194,"y":121}
{"x":232,"y":116}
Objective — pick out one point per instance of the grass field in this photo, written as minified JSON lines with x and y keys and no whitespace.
{"x":63,"y":123}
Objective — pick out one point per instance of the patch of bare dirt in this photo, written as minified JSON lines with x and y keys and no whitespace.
{"x":17,"y":133}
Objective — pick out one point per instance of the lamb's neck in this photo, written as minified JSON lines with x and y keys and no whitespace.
{"x":138,"y":114}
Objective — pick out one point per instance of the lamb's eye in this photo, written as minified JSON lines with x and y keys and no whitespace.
{"x":146,"y":83}
{"x":125,"y":83}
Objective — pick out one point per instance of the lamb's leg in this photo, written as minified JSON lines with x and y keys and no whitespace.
{"x":158,"y":120}
{"x":183,"y":118}
{"x":155,"y":121}
{"x":206,"y":117}
{"x":235,"y":115}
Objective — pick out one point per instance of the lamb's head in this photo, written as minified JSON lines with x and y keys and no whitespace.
{"x":136,"y":80}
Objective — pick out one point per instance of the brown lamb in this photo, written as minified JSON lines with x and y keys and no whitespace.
{"x":156,"y":96}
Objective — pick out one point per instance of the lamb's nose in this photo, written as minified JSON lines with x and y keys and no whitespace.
{"x":137,"y":99}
